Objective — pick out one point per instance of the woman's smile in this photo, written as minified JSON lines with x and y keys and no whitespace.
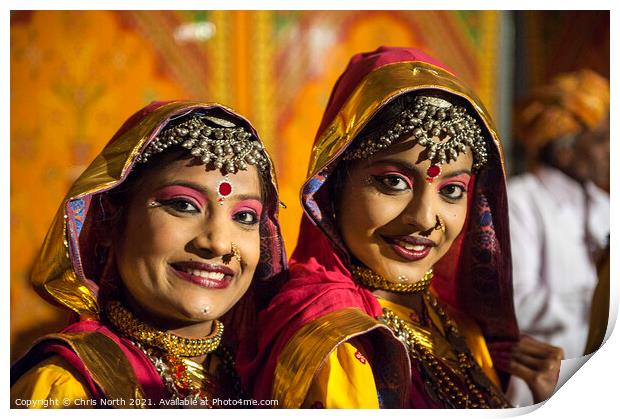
{"x":204,"y":274}
{"x":410,"y":248}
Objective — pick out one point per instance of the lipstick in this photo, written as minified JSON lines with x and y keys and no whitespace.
{"x":411,"y":248}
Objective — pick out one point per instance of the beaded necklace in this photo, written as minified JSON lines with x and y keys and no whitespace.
{"x":176,"y":378}
{"x":127,"y":323}
{"x":477,"y":392}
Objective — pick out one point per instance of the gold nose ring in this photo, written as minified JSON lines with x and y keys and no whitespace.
{"x":440,"y":225}
{"x":234,"y":250}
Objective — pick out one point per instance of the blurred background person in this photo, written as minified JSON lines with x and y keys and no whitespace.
{"x":559,"y":211}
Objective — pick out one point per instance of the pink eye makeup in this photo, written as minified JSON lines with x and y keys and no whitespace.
{"x":249,"y":205}
{"x":460,"y":180}
{"x":455,"y":187}
{"x":392,"y":176}
{"x":172,"y":192}
{"x":247,"y":212}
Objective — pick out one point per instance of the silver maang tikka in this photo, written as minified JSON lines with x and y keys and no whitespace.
{"x":212,"y":140}
{"x":444,"y":129}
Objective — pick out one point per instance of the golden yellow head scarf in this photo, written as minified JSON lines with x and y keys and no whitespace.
{"x":570,"y":104}
{"x":59,"y":273}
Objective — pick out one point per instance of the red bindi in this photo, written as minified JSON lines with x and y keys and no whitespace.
{"x":224,"y":190}
{"x":432,"y":172}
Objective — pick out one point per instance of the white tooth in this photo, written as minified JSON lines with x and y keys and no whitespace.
{"x":205,"y":274}
{"x":414,"y":247}
{"x":406,"y":245}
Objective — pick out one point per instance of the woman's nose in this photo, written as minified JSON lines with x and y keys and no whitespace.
{"x":421,"y":212}
{"x":214,"y":238}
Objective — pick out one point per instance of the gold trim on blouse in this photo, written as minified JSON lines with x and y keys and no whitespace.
{"x":308,"y":349}
{"x":104,"y":359}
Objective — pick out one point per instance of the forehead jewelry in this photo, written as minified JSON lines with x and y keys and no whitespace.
{"x":224,"y":190}
{"x":443,"y":129}
{"x":216,"y":141}
{"x":234,"y":250}
{"x":440,"y":225}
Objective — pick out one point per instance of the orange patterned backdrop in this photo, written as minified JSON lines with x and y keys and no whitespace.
{"x":76,"y":76}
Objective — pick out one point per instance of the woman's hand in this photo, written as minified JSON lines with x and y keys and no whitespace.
{"x":538,"y":364}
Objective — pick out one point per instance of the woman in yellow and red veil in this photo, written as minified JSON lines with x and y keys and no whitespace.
{"x":153,"y":250}
{"x":359,"y":322}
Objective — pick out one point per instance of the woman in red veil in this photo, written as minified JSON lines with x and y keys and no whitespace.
{"x":399,"y":291}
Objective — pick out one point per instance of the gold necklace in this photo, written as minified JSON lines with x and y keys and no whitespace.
{"x":177,"y":379}
{"x":170,"y":343}
{"x":373,"y":280}
{"x":480,"y":391}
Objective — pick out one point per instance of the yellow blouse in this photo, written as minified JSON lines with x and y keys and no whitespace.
{"x":346,"y":379}
{"x":54,"y":384}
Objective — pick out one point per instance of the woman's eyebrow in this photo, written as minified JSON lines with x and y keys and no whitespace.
{"x":246,"y":197}
{"x":455,"y":173}
{"x":192,"y":185}
{"x":206,"y":191}
{"x":396,"y":162}
{"x":413,"y":168}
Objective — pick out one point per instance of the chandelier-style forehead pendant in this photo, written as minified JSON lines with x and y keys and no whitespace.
{"x":444,"y":129}
{"x":214,"y":141}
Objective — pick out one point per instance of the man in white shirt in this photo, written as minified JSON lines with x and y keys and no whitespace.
{"x":559,"y":212}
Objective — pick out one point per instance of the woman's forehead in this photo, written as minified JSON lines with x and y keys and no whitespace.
{"x":188,"y":171}
{"x":413,"y":155}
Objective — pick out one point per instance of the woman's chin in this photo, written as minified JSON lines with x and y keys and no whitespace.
{"x":407,"y":274}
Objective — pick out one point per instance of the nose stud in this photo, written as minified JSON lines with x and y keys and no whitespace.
{"x":440,"y":225}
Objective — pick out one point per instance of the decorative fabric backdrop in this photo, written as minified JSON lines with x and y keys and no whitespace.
{"x":76,"y":76}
